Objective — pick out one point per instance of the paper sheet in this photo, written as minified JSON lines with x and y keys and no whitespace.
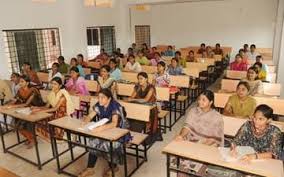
{"x":241,"y":151}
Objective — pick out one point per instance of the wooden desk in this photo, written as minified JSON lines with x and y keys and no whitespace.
{"x":270,"y":89}
{"x":276,"y":104}
{"x":33,"y":119}
{"x":43,"y":77}
{"x":194,"y":72}
{"x":233,"y":124}
{"x":200,"y":66}
{"x":74,"y":126}
{"x":238,"y":75}
{"x":211,"y":155}
{"x":181,"y":81}
{"x":7,"y":173}
{"x":268,"y":62}
{"x":149,"y":69}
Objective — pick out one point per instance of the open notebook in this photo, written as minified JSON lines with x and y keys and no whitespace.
{"x":93,"y":125}
{"x":241,"y":151}
{"x":25,"y":111}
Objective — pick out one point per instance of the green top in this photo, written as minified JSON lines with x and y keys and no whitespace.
{"x":142,"y":61}
{"x":63,"y":68}
{"x":244,"y":109}
{"x":182,"y":62}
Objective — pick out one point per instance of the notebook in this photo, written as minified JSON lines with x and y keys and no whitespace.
{"x":241,"y":151}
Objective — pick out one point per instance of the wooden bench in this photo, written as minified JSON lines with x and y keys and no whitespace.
{"x":270,"y":89}
{"x":276,"y":104}
{"x":231,"y":74}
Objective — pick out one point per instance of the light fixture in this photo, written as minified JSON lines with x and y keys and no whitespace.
{"x":44,"y":1}
{"x":104,"y":3}
{"x":142,"y":7}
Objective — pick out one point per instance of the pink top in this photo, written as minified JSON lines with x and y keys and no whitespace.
{"x":238,"y":66}
{"x":79,"y":86}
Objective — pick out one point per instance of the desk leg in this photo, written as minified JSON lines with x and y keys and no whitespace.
{"x":36,"y":145}
{"x":70,"y":145}
{"x":168,"y":165}
{"x":170,"y":127}
{"x":54,"y":142}
{"x":125,"y":160}
{"x":2,"y":138}
{"x":111,"y":160}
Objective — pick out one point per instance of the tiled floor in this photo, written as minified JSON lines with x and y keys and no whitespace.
{"x":154,"y":167}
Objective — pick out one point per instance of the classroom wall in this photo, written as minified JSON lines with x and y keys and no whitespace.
{"x":230,"y":22}
{"x":70,"y":16}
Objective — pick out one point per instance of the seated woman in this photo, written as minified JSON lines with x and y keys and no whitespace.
{"x":218,"y":50}
{"x":115,"y":72}
{"x":243,"y":56}
{"x":161,"y":78}
{"x":203,"y":124}
{"x":190,"y":57}
{"x":181,"y":60}
{"x":105,"y":108}
{"x":74,"y":63}
{"x":156,"y":59}
{"x":132,"y":65}
{"x":174,"y":68}
{"x":169,"y":52}
{"x":261,"y":72}
{"x":141,"y":59}
{"x":15,"y":78}
{"x":76,"y":84}
{"x":105,"y":81}
{"x":58,"y":102}
{"x":54,"y":72}
{"x":209,"y":52}
{"x":238,"y":65}
{"x":241,"y":104}
{"x":256,"y":86}
{"x":258,"y":133}
{"x":26,"y":96}
{"x":146,"y":92}
{"x":201,"y":49}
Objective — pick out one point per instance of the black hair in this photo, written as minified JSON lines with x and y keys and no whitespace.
{"x":175,"y":59}
{"x":258,"y":57}
{"x":75,"y":69}
{"x":106,"y":92}
{"x":59,"y":81}
{"x":210,"y":96}
{"x":113,"y":61}
{"x":246,"y":45}
{"x":61,"y":58}
{"x":253,"y":45}
{"x":157,"y":53}
{"x":258,"y":64}
{"x":131,"y":56}
{"x":26,"y":78}
{"x":15,"y":74}
{"x":202,"y":44}
{"x":143,"y":74}
{"x":103,"y":49}
{"x":191,"y":51}
{"x":171,"y":47}
{"x":218,"y":45}
{"x":56,"y":64}
{"x":241,"y":50}
{"x":163,"y":64}
{"x":238,"y":55}
{"x":106,"y":67}
{"x":74,"y":59}
{"x":80,"y":55}
{"x":28,"y":63}
{"x":265,"y":110}
{"x":154,"y":48}
{"x":254,"y":69}
{"x":244,"y":83}
{"x":177,"y":52}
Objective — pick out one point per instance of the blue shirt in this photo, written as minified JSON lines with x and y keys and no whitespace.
{"x":175,"y":71}
{"x":81,"y":70}
{"x":116,"y":74}
{"x":169,"y":53}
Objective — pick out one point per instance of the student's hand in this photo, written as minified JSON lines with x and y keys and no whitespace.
{"x":233,"y":151}
{"x":97,"y":129}
{"x":179,"y":138}
{"x":248,"y":158}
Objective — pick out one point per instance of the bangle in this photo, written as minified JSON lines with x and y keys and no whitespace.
{"x":256,"y":156}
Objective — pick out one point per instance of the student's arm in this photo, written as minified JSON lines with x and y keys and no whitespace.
{"x":53,"y":109}
{"x":182,"y":135}
{"x":89,"y":117}
{"x":228,"y":110}
{"x":110,"y":125}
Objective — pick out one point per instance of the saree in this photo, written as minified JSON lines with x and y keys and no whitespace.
{"x":78,"y":85}
{"x":66,"y":108}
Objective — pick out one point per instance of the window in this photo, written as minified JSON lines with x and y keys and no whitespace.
{"x":142,"y":35}
{"x":100,"y":37}
{"x":39,"y":47}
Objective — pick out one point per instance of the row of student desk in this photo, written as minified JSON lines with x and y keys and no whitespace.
{"x":200,"y":153}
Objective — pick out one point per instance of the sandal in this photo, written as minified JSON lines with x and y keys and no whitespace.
{"x":87,"y":172}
